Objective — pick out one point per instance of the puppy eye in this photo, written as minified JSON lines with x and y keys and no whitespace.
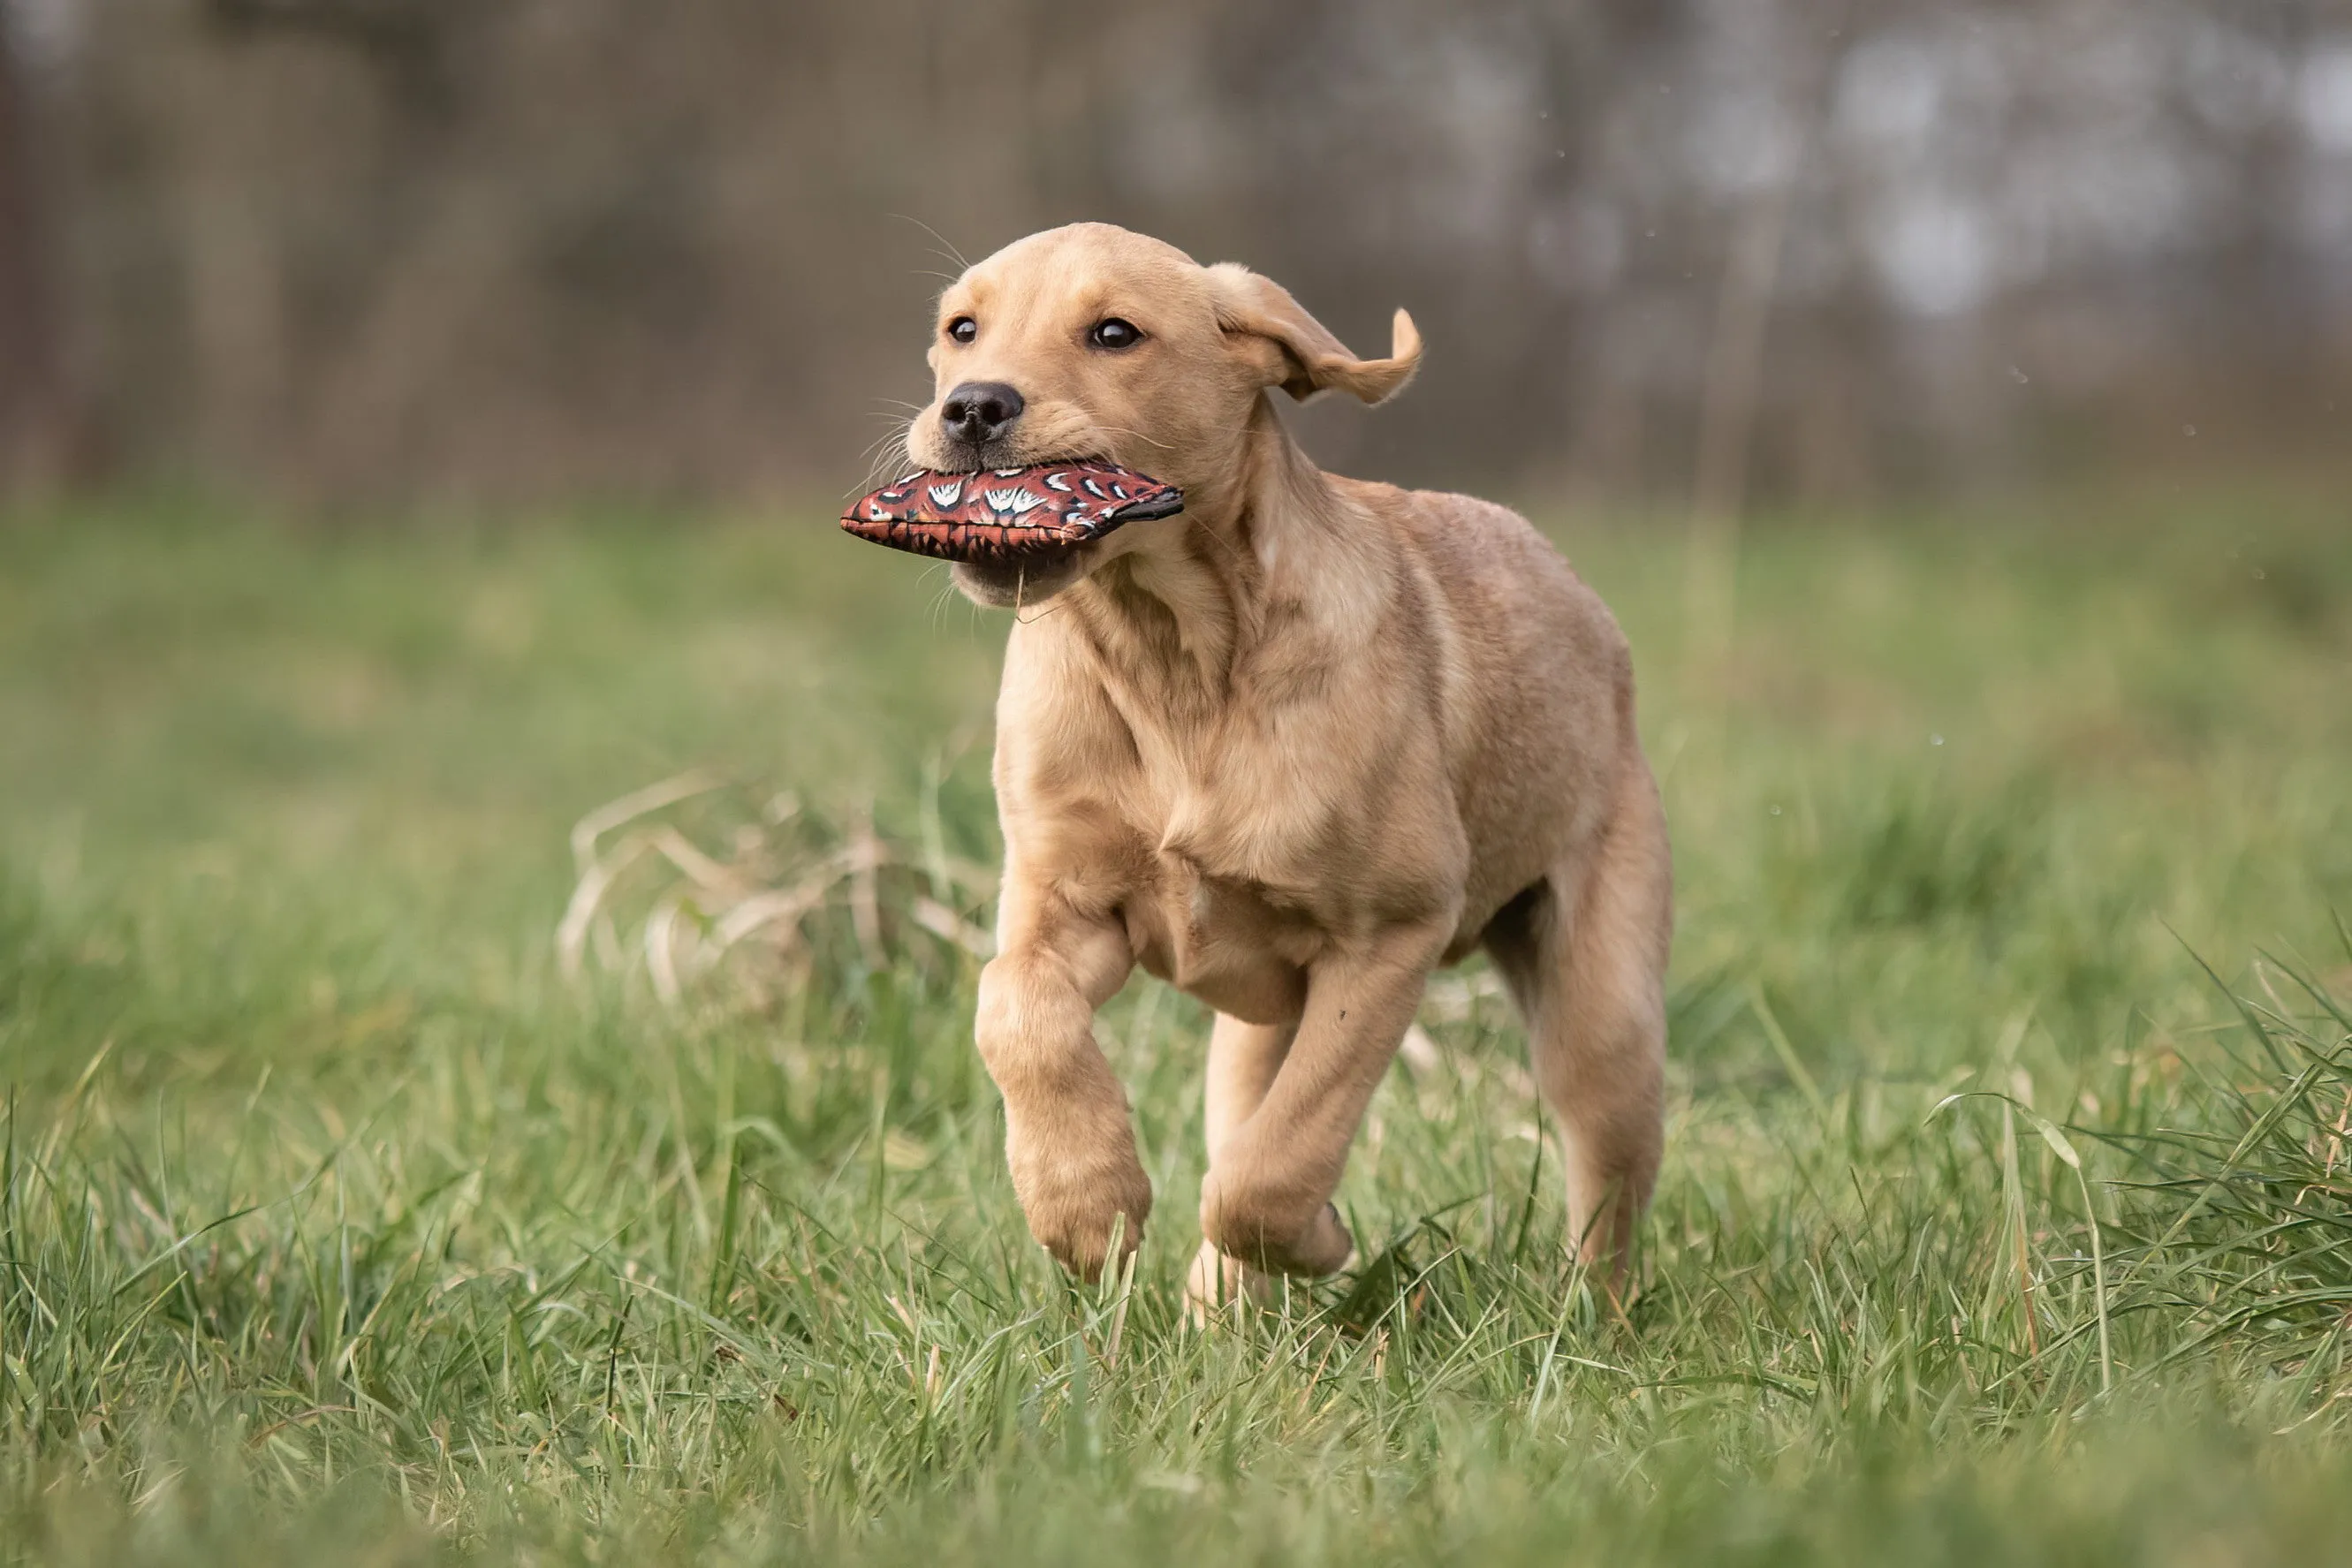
{"x":963,"y":329}
{"x":1114,"y":333}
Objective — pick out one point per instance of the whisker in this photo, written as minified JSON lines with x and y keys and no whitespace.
{"x":943,"y":598}
{"x":1021,"y":586}
{"x":885,"y":457}
{"x":953,"y":254}
{"x":1122,"y":430}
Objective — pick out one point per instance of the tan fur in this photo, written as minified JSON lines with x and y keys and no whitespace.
{"x":1288,"y":750}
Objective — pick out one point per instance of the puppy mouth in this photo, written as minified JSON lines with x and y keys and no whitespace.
{"x":1011,"y":585}
{"x":971,"y":457}
{"x":964,"y":457}
{"x":951,"y":454}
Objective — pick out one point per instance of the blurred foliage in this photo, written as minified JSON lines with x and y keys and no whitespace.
{"x":357,"y":249}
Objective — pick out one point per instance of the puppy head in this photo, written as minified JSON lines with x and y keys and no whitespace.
{"x":1092,"y":342}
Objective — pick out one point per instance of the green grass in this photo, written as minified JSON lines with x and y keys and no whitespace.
{"x":336,"y":1224}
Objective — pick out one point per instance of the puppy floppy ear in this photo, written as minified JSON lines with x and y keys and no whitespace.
{"x":1297,"y":352}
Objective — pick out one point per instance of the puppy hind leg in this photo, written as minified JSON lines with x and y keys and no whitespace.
{"x":1267,"y":1198}
{"x":1242,"y":1060}
{"x":1590,"y":978}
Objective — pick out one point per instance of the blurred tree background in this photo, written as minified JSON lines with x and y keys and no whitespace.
{"x":1806,"y":249}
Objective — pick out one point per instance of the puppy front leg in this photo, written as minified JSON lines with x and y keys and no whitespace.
{"x":1067,"y":1136}
{"x":1267,"y":1200}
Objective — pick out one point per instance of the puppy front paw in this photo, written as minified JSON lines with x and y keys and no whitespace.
{"x":1076,"y":1208}
{"x":1263,"y":1235}
{"x":1324,"y":1248}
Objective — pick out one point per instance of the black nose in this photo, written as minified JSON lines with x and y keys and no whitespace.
{"x":979,"y":412}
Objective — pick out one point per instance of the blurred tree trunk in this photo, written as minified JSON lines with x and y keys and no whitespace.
{"x":34,"y":404}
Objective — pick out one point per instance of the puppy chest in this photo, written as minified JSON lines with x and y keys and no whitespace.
{"x":1224,"y":941}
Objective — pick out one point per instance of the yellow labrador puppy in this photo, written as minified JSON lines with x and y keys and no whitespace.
{"x":1289,"y":751}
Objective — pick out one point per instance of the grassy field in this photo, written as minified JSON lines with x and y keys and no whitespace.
{"x":338,"y":1224}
